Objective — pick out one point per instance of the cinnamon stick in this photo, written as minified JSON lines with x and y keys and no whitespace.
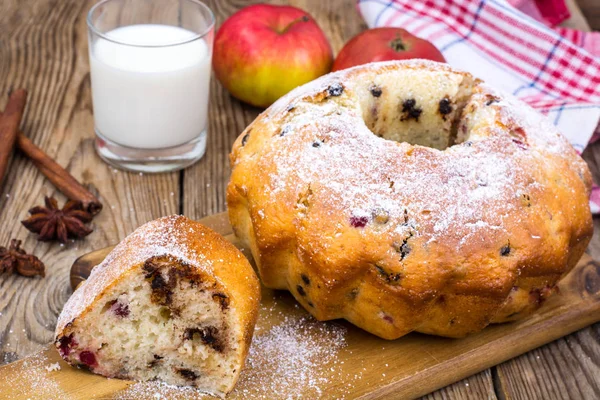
{"x":60,"y":177}
{"x":10,"y":120}
{"x":9,"y":126}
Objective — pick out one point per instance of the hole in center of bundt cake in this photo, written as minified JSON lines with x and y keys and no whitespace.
{"x":420,"y":110}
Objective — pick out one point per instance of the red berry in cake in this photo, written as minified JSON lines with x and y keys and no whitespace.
{"x":358,"y":222}
{"x":88,"y":358}
{"x":66,"y":344}
{"x":120,"y":309}
{"x":539,"y":295}
{"x":535,"y":297}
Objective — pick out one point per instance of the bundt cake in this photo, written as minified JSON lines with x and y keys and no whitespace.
{"x":409,"y":196}
{"x":174,"y":302}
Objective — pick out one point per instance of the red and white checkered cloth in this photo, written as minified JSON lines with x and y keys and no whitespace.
{"x":552,"y":13}
{"x":509,"y":50}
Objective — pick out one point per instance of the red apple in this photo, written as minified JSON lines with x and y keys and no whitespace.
{"x":383,"y":44}
{"x":264,"y":51}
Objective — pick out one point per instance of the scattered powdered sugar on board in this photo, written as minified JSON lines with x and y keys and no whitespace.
{"x":53,"y":367}
{"x":33,"y":381}
{"x":292,"y":360}
{"x":160,"y":391}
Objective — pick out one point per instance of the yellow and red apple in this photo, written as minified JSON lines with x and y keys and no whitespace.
{"x":264,"y":51}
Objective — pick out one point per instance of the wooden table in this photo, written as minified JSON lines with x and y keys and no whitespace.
{"x":43,"y":47}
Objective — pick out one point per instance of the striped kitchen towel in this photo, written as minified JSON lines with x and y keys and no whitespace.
{"x":511,"y":51}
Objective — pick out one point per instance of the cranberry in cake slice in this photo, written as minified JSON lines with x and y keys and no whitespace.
{"x":173,"y":302}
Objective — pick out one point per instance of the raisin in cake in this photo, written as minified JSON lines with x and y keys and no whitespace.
{"x":174,"y":302}
{"x":409,"y":196}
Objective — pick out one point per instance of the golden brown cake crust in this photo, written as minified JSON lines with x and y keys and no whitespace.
{"x":396,"y":237}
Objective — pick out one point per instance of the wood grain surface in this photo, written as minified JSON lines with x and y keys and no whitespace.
{"x":43,"y":48}
{"x":368,"y":367}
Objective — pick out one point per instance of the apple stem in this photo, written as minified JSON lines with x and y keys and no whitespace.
{"x":397,"y":44}
{"x":303,"y":18}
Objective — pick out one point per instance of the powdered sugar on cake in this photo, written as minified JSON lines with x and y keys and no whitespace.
{"x":460,"y":192}
{"x":355,"y":173}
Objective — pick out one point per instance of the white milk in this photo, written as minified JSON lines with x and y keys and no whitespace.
{"x":150,"y":97}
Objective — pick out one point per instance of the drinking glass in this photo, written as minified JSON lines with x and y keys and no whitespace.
{"x":150,"y":63}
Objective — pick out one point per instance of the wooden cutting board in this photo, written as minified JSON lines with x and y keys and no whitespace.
{"x":367,"y":367}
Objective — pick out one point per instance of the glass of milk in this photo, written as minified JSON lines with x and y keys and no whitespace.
{"x":150,"y":63}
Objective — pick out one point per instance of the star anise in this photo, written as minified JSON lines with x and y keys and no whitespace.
{"x":53,"y":223}
{"x":16,"y":259}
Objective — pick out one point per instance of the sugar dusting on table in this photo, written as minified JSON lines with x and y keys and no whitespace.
{"x":294,"y":359}
{"x":33,"y":380}
{"x":159,"y":390}
{"x":53,"y":367}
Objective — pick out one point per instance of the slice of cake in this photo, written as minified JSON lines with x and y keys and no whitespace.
{"x":174,"y":302}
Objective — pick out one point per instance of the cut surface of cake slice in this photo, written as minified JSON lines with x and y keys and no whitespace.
{"x":174,"y":302}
